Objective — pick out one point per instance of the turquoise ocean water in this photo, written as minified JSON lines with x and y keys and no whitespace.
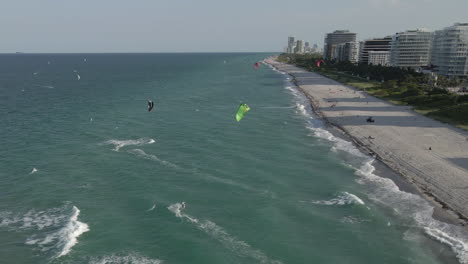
{"x":88,"y":175}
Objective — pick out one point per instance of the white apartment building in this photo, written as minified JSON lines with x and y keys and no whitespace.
{"x":411,"y":48}
{"x":348,"y":51}
{"x":378,"y":58}
{"x":450,"y":50}
{"x":291,"y":45}
{"x":299,"y":49}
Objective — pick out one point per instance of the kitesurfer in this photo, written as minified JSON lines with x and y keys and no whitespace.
{"x":183,"y":205}
{"x":150,"y":105}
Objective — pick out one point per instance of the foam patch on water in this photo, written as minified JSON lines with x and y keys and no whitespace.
{"x":132,"y":258}
{"x":130,"y":142}
{"x":345,"y":198}
{"x":56,"y":229}
{"x":384,"y":190}
{"x":239,"y":247}
{"x":140,"y":153}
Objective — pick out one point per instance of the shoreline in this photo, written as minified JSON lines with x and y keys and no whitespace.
{"x":410,"y":179}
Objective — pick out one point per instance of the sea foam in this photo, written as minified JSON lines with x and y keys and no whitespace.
{"x":344,"y":198}
{"x":55,"y":230}
{"x":384,"y":190}
{"x":132,"y":258}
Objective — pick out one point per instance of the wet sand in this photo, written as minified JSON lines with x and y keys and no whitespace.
{"x":428,"y":153}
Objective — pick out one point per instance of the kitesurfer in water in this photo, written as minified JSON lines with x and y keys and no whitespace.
{"x":150,"y":105}
{"x":183,"y":205}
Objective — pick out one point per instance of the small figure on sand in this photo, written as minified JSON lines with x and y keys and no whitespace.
{"x":371,"y":137}
{"x":370,"y":120}
{"x":430,"y":148}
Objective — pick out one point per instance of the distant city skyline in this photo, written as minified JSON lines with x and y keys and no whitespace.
{"x":208,"y":26}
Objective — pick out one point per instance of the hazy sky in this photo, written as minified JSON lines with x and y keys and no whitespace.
{"x":207,"y":25}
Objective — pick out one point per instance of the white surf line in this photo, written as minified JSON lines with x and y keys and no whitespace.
{"x":238,"y":247}
{"x":386,"y":192}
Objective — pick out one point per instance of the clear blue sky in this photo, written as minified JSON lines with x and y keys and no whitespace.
{"x":207,"y":25}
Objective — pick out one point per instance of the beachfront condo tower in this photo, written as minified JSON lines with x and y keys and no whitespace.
{"x":376,"y":44}
{"x":450,"y":50}
{"x":335,"y":38}
{"x":411,"y":49}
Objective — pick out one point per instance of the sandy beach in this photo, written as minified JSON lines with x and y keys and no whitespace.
{"x":428,"y":153}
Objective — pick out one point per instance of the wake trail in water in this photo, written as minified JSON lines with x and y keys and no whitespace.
{"x":383,"y":190}
{"x":235,"y":245}
{"x":142,"y":154}
{"x":132,"y":258}
{"x":55,"y":230}
{"x":130,"y":142}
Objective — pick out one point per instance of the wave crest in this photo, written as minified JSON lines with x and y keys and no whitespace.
{"x":344,"y":198}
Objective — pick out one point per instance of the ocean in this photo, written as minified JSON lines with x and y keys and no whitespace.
{"x":88,"y":175}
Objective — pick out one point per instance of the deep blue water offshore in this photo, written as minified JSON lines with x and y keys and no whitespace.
{"x":88,"y":175}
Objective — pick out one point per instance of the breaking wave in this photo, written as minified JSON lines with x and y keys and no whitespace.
{"x":342,"y":199}
{"x":239,"y":247}
{"x":55,"y":230}
{"x":384,"y":190}
{"x":130,"y":142}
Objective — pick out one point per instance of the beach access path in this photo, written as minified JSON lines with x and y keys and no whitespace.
{"x":399,"y":137}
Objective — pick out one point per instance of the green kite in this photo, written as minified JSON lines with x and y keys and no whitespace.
{"x":243,"y":108}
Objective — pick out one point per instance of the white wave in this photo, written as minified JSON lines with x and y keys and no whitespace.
{"x":68,"y":235}
{"x":78,"y":77}
{"x":141,"y":153}
{"x":343,"y":199}
{"x":239,"y":247}
{"x":52,"y":229}
{"x":152,"y":208}
{"x":34,"y":170}
{"x":130,"y":142}
{"x":132,"y":258}
{"x":385,"y":191}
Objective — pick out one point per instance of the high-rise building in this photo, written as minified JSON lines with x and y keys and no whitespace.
{"x":315,"y":48}
{"x":346,"y":52}
{"x":335,"y":38}
{"x":299,"y":49}
{"x":450,"y":50}
{"x":291,"y":44}
{"x":377,"y":44}
{"x":306,"y":47}
{"x":378,"y":58}
{"x":411,"y":48}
